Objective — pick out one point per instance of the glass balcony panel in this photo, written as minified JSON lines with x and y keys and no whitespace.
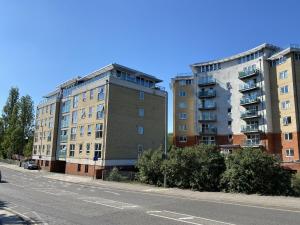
{"x":250,"y":128}
{"x":206,"y":81}
{"x":248,"y":73}
{"x":208,"y":93}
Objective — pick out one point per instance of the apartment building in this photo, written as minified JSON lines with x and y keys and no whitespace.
{"x":250,"y":99}
{"x":104,"y":119}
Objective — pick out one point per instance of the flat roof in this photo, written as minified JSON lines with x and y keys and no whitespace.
{"x":236,"y":56}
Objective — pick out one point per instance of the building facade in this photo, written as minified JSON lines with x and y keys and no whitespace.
{"x":247,"y":100}
{"x":105,"y":119}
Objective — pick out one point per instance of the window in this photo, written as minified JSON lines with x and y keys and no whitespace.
{"x":74,"y":117}
{"x":101,"y":93}
{"x":83,"y":96}
{"x":286,"y":120}
{"x":75,"y":101}
{"x":46,"y":163}
{"x":283,"y":75}
{"x":288,"y":136}
{"x":97,"y":152}
{"x":182,"y":116}
{"x":83,"y":113}
{"x":50,"y":124}
{"x":183,"y":127}
{"x":100,"y":111}
{"x":99,"y":130}
{"x":81,"y":131}
{"x":49,"y":136}
{"x":229,"y":124}
{"x":140,"y":130}
{"x":284,"y":89}
{"x":73,"y":133}
{"x":182,"y":105}
{"x":78,"y":167}
{"x":182,"y":139}
{"x":285,"y":104}
{"x":88,"y":148}
{"x":89,"y":130}
{"x":140,"y":149}
{"x":65,"y":121}
{"x":47,"y":108}
{"x":141,"y":95}
{"x":72,"y":150}
{"x":182,"y":93}
{"x":52,"y":108}
{"x":48,"y":150}
{"x":66,"y":106}
{"x":91,"y":94}
{"x":90,"y":112}
{"x":86,"y":168}
{"x":80,"y":148}
{"x":141,"y":112}
{"x":297,"y":56}
{"x":289,"y":152}
{"x":64,"y":135}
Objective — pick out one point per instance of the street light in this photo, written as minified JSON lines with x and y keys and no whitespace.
{"x":166,"y":137}
{"x":40,"y":156}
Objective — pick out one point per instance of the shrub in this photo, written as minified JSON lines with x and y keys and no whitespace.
{"x":253,"y":171}
{"x":150,"y":167}
{"x":198,"y":167}
{"x":115,"y":175}
{"x":296,"y":184}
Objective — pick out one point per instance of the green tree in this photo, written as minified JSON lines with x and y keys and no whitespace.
{"x":198,"y":167}
{"x":26,"y":119}
{"x":150,"y":167}
{"x":252,"y":171}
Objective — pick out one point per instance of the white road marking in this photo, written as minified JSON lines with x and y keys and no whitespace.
{"x":17,"y":185}
{"x":108,"y":203}
{"x":184,"y":218}
{"x":111,"y":192}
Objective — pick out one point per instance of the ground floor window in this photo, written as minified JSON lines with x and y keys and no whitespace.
{"x":46,"y":163}
{"x":86,"y":168}
{"x":78,"y":167}
{"x":289,"y":152}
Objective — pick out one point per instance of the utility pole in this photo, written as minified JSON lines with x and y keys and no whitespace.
{"x":40,"y":156}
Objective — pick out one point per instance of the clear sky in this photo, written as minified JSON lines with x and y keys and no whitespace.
{"x":45,"y":42}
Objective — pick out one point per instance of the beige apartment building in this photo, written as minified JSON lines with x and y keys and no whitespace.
{"x":105,"y":119}
{"x":250,"y":99}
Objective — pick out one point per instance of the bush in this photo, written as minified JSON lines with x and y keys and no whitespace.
{"x":115,"y":175}
{"x":150,"y":167}
{"x":254,"y":171}
{"x":199,"y":168}
{"x":296,"y":184}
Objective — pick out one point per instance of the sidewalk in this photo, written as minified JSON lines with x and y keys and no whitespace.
{"x":274,"y":202}
{"x":8,"y":217}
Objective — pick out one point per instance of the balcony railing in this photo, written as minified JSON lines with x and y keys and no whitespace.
{"x":250,"y":114}
{"x":208,"y":130}
{"x":251,"y":143}
{"x":211,"y":105}
{"x":249,"y":100}
{"x":206,"y":81}
{"x":250,"y":128}
{"x":210,"y":117}
{"x":62,"y":153}
{"x":248,"y":87}
{"x":207,"y":94}
{"x":207,"y":142}
{"x":248,"y":73}
{"x":73,"y":137}
{"x":64,"y":138}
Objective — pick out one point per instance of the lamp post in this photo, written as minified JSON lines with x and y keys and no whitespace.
{"x":166,"y":137}
{"x":40,"y":156}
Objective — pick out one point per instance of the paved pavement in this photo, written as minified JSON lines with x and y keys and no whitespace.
{"x":48,"y":198}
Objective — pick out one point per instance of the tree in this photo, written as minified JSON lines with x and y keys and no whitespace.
{"x":253,"y":171}
{"x":150,"y":167}
{"x":198,"y":167}
{"x":10,"y":109}
{"x":26,"y":119}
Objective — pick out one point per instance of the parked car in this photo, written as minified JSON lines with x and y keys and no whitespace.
{"x":30,"y":165}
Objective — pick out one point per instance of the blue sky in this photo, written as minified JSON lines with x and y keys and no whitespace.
{"x":45,"y":42}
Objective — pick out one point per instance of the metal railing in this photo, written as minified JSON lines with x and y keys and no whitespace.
{"x":64,"y":138}
{"x":249,"y":100}
{"x":250,"y":113}
{"x":207,"y":142}
{"x":209,"y":117}
{"x":206,"y":81}
{"x":244,"y":87}
{"x":207,"y":105}
{"x":250,"y":128}
{"x":251,"y":142}
{"x":208,"y":93}
{"x":208,"y":130}
{"x":248,"y":73}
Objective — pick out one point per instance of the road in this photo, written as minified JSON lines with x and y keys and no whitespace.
{"x":49,"y":201}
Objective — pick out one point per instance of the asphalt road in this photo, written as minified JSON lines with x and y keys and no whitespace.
{"x":49,"y":201}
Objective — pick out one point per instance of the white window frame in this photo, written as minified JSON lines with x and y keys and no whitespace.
{"x":182,"y":116}
{"x":285,"y":104}
{"x":140,"y":130}
{"x":182,"y":139}
{"x":141,"y":112}
{"x":182,"y":105}
{"x":182,"y":93}
{"x":283,"y":75}
{"x":141,"y":95}
{"x":284,"y":89}
{"x":289,"y":151}
{"x":288,"y":136}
